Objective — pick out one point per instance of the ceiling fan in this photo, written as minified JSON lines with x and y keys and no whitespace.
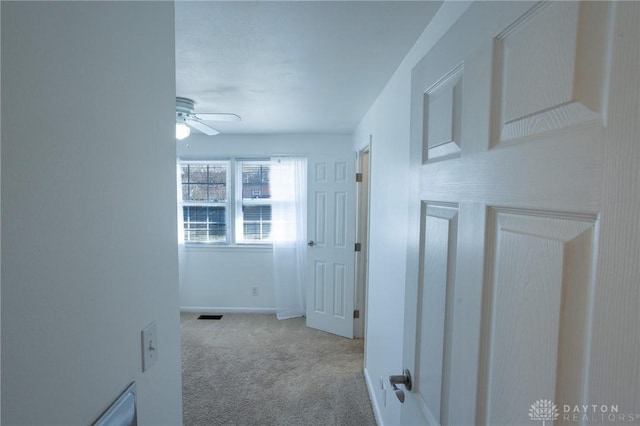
{"x":187,"y":119}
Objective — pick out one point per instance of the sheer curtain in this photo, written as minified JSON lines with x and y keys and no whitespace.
{"x":182,"y":253}
{"x":289,"y":233}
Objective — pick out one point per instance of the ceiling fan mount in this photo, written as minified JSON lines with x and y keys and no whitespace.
{"x":185,"y":106}
{"x":187,"y":118}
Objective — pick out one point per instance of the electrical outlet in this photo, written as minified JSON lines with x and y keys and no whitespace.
{"x":254,"y":291}
{"x":149,"y":346}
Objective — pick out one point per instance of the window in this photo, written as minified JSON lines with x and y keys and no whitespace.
{"x":218,"y":209}
{"x":253,"y":211}
{"x":205,"y":201}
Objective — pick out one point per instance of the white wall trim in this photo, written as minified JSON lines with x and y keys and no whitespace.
{"x":374,"y":402}
{"x":226,"y":310}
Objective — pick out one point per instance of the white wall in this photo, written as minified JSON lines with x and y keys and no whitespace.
{"x":220,"y":279}
{"x":89,"y":249}
{"x":388,"y":124}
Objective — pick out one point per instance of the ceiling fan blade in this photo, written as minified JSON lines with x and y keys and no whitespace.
{"x":217,"y":116}
{"x":198,"y":125}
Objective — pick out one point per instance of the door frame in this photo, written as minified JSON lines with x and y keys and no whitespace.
{"x":363,"y":194}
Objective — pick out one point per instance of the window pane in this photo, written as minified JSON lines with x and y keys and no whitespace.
{"x":257,"y":231}
{"x":255,"y":181}
{"x":256,"y":222}
{"x":205,"y":224}
{"x":204,"y":182}
{"x":198,"y":173}
{"x":217,"y":174}
{"x":184,"y":173}
{"x":198,"y":192}
{"x":257,"y":213}
{"x":218,"y":192}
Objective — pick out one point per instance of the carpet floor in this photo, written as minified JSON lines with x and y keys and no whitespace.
{"x":256,"y":370}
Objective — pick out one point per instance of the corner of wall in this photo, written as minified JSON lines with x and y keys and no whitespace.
{"x":388,"y":124}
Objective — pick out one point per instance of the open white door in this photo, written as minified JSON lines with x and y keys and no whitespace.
{"x":330,"y":255}
{"x":519,"y":300}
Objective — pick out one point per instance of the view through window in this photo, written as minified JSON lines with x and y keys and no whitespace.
{"x":205,"y":202}
{"x":208,"y":215}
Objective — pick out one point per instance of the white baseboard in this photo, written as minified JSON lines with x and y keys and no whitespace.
{"x":372,"y":396}
{"x":226,"y":310}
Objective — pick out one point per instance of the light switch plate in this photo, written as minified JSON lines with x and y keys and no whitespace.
{"x":149,"y":346}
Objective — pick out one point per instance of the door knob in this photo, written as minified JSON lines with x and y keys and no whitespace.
{"x":311,"y":243}
{"x":402,"y":379}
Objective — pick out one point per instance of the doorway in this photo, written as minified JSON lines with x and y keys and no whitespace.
{"x":362,"y":238}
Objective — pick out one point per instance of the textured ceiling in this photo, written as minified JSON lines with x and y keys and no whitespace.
{"x":292,"y":66}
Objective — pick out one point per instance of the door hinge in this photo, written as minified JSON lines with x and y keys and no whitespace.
{"x":358,"y":177}
{"x":356,"y":314}
{"x":358,"y":247}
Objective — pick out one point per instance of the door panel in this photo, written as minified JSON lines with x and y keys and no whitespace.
{"x":443,"y":110}
{"x":437,"y":280}
{"x":331,"y":256}
{"x":320,"y":215}
{"x":549,"y":70}
{"x":509,"y":129}
{"x":537,"y":292}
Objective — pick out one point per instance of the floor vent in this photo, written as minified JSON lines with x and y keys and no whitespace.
{"x":210,"y":317}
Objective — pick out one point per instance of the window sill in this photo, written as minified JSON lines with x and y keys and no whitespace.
{"x":228,"y":247}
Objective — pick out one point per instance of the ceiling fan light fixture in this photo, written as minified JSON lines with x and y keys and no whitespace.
{"x":187,"y":119}
{"x":182,"y":131}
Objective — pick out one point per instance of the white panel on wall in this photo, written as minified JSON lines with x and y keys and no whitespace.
{"x":536,"y":312}
{"x":443,"y":115}
{"x":338,"y":290}
{"x":321,"y":218}
{"x":341,"y":220}
{"x":319,"y":284}
{"x":437,"y":280}
{"x":548,"y":69}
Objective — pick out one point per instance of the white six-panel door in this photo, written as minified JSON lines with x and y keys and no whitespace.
{"x":525,"y":136}
{"x":331,"y":255}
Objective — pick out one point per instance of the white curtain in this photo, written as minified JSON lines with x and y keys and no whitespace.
{"x":289,"y":233}
{"x":182,"y":253}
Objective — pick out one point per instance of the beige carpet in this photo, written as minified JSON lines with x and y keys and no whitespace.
{"x":256,"y":370}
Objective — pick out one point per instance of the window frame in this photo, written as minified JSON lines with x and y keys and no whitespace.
{"x":233,"y":211}
{"x":227,"y":204}
{"x":240,"y":201}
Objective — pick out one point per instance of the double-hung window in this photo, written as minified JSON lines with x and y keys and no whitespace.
{"x":216,"y":208}
{"x":205,"y":201}
{"x":253,"y":201}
